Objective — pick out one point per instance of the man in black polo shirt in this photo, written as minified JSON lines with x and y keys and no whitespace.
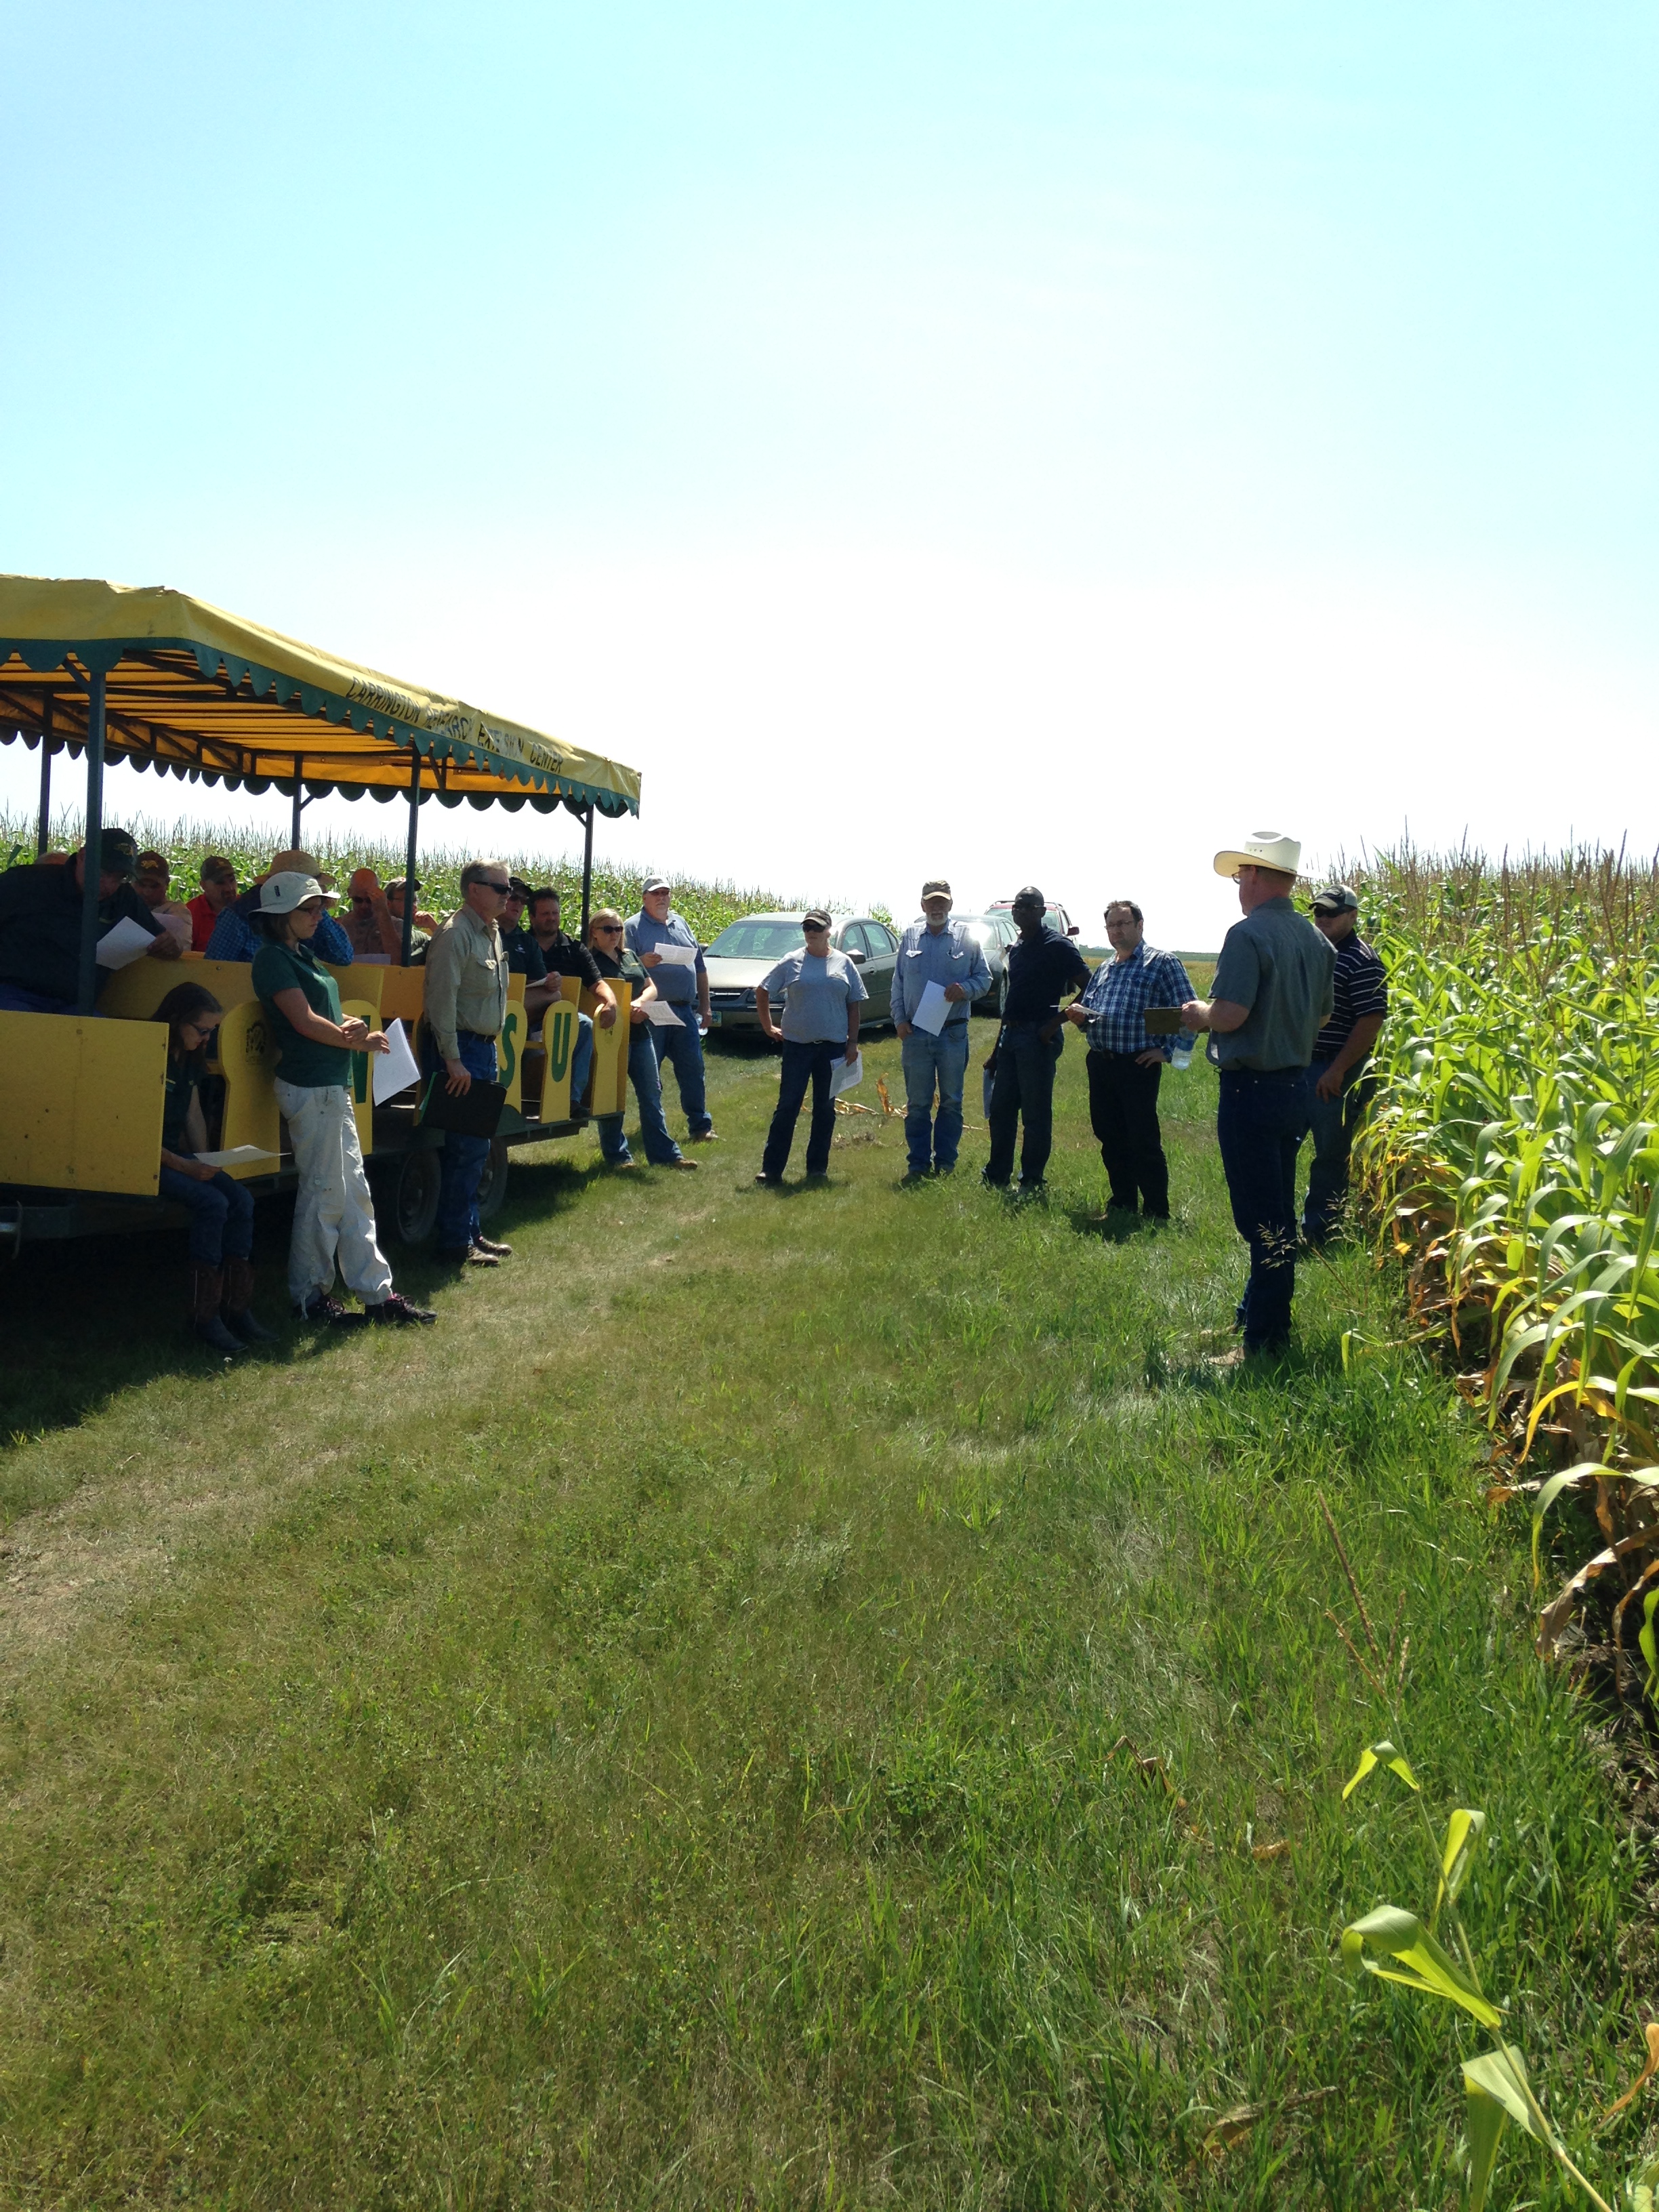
{"x":1042,"y":969}
{"x":524,"y":955}
{"x":1341,"y":1090}
{"x":565,"y":957}
{"x":40,"y":913}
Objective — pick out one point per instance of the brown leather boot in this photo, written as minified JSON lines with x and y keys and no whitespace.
{"x":207,"y":1287}
{"x":239,"y":1305}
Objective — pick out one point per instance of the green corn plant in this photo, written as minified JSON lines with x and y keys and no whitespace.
{"x":1511,"y":1161}
{"x":1435,"y":1959}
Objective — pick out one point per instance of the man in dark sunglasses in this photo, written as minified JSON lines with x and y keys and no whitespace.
{"x":466,"y":973}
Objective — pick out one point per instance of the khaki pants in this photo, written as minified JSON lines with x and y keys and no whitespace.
{"x":333,"y":1212}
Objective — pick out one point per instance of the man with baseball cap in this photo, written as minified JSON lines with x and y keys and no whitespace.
{"x":218,"y":892}
{"x":1042,"y":969}
{"x":1272,"y":994}
{"x":682,"y":985}
{"x":1340,"y":1089}
{"x":936,"y":950}
{"x":235,"y":935}
{"x":153,"y":881}
{"x":41,"y":907}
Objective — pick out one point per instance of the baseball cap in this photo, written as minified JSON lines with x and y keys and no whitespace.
{"x":153,"y":864}
{"x":520,"y":889}
{"x":817,"y":919}
{"x":1336,"y":898}
{"x":936,"y":887}
{"x":657,"y":883}
{"x":215,"y":869}
{"x":281,"y":893}
{"x":118,"y":853}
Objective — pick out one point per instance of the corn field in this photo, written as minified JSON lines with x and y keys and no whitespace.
{"x":1511,"y":1163}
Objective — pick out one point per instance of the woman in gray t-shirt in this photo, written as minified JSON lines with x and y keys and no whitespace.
{"x":820,"y":1026}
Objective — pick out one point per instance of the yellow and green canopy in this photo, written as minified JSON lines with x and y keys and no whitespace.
{"x":204,"y":694}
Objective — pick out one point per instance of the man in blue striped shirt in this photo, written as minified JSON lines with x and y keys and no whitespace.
{"x":936,"y":950}
{"x":1125,"y":1066}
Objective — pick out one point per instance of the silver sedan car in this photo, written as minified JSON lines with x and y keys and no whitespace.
{"x":745,"y":952}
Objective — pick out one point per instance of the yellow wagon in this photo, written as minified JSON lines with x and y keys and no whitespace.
{"x":96,"y":671}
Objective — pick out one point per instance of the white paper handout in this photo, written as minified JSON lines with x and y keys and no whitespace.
{"x":934,"y":1011}
{"x":845,"y":1074}
{"x":678,"y":956}
{"x":128,"y":941}
{"x":396,"y":1070}
{"x":660,"y":1011}
{"x":239,"y":1156}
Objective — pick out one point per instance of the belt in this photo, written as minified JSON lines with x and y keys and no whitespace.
{"x":484,"y":1036}
{"x":1261,"y":1074}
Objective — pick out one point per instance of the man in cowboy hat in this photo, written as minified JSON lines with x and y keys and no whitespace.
{"x":234,"y":937}
{"x":1272,"y":995}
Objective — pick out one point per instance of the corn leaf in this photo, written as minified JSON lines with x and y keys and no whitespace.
{"x":1375,"y":1755}
{"x":1464,"y":1834}
{"x":1395,"y":1945}
{"x":1652,"y":2031}
{"x":1486,"y":2121}
{"x":1499,"y":2075}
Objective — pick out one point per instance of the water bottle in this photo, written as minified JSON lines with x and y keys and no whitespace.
{"x":1181,"y":1055}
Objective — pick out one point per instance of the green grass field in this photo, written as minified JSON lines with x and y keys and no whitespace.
{"x":669,"y":1736}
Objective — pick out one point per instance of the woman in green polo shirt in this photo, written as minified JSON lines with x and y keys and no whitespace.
{"x":333,"y":1212}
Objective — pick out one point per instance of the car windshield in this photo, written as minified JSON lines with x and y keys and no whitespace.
{"x":980,"y":928}
{"x":757,"y":940}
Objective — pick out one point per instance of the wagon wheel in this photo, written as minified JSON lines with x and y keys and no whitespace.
{"x":492,"y":1186}
{"x":415,"y":1196}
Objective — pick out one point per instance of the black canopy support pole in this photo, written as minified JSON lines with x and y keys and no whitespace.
{"x":43,"y":834}
{"x":299,"y":801}
{"x":92,"y":845}
{"x":409,"y":867}
{"x":587,"y":869}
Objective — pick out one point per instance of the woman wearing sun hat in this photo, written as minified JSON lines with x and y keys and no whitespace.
{"x":1272,"y":995}
{"x":333,"y":1212}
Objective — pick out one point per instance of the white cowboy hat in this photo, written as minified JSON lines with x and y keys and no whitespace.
{"x":1262,"y":848}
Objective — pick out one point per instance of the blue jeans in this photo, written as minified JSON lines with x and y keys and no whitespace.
{"x":683,"y":1048}
{"x":929,"y":1060}
{"x":803,"y":1064}
{"x":660,"y":1147}
{"x":221,"y":1214}
{"x":1259,"y":1124}
{"x":1024,"y":1089}
{"x":14,"y":999}
{"x":462,"y":1164}
{"x":1333,"y":1121}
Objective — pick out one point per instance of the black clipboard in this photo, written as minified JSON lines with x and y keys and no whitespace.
{"x":475,"y":1113}
{"x":1161,"y":1021}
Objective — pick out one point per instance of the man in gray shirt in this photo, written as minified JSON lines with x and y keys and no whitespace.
{"x":936,"y":951}
{"x":822,"y":992}
{"x":1272,"y":994}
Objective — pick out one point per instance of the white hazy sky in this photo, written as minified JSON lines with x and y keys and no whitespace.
{"x":1037,"y":441}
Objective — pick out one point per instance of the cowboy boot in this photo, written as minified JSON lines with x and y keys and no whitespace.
{"x":239,"y":1305}
{"x":207,"y":1286}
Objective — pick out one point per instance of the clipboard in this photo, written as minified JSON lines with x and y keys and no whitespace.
{"x":475,"y":1113}
{"x":1161,"y":1021}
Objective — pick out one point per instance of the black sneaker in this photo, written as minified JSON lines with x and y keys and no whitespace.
{"x":395,"y":1310}
{"x":319,"y":1307}
{"x":250,"y":1330}
{"x":774,"y":1182}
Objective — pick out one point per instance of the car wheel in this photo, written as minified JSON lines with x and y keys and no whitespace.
{"x":415,"y":1196}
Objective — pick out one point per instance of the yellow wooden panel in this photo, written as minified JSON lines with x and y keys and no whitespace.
{"x":403,"y":995}
{"x":134,"y":992}
{"x":610,"y":1091}
{"x":509,"y":1048}
{"x":82,"y":1104}
{"x":248,"y":1060}
{"x":559,"y":1045}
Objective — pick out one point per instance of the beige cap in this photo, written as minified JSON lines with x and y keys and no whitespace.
{"x":1262,"y":848}
{"x":297,"y":863}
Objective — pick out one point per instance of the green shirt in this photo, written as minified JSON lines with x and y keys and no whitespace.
{"x":276,"y":968}
{"x":183,"y":1076}
{"x":1275,"y":962}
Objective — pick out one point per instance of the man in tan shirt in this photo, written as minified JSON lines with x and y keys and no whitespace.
{"x":466,"y":976}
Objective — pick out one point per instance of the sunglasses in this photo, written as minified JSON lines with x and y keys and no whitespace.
{"x":609,"y":928}
{"x":485,"y":884}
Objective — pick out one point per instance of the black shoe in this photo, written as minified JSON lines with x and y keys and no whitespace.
{"x":772,"y":1182}
{"x":990,"y":1182}
{"x":488,"y":1244}
{"x":212,"y":1331}
{"x":251,"y":1331}
{"x":395,"y":1310}
{"x":320,"y":1307}
{"x":915,"y":1175}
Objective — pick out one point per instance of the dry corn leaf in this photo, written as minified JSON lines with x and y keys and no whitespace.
{"x":1652,"y":2031}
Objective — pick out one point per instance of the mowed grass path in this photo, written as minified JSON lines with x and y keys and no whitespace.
{"x":659,"y":1738}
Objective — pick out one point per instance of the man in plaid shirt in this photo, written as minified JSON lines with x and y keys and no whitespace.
{"x":1125,"y":1064}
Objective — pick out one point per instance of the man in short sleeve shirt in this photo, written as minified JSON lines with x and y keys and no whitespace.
{"x":1043,"y":969}
{"x":661,"y":938}
{"x":1341,"y":1090}
{"x":1272,"y":994}
{"x":936,"y":950}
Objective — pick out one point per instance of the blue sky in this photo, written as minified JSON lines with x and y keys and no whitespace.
{"x":1037,"y":441}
